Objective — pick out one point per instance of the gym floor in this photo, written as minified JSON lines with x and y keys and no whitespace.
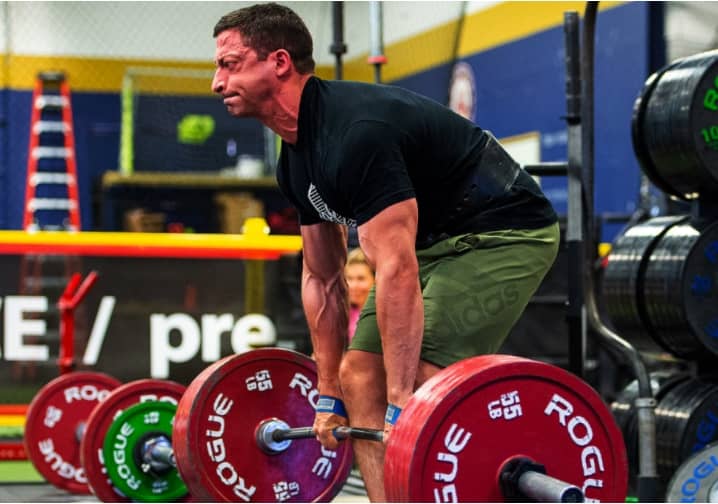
{"x":27,"y":487}
{"x":38,"y":492}
{"x":41,"y":492}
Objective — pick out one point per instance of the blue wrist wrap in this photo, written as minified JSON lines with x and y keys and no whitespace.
{"x":329,"y":404}
{"x":392,"y":414}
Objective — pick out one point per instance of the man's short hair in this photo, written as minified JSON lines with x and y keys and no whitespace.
{"x":268,"y":27}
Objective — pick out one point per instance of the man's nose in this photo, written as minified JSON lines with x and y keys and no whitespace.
{"x":217,"y":83}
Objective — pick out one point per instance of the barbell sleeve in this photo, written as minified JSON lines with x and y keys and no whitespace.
{"x":522,"y":479}
{"x":543,"y":488}
{"x":164,"y":454}
{"x":80,"y":431}
{"x":158,"y":455}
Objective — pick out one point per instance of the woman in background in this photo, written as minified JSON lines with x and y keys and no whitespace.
{"x":360,"y":279}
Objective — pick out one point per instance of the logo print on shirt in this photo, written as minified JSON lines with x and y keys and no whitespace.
{"x":324,"y":211}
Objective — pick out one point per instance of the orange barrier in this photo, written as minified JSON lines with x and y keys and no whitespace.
{"x":13,"y":409}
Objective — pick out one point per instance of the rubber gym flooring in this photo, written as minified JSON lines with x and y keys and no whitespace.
{"x":41,"y":492}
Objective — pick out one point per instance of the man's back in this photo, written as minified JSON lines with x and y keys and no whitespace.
{"x":364,"y":147}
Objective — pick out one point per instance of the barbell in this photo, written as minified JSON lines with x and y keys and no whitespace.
{"x":139,"y":436}
{"x":490,"y":428}
{"x":484,"y":429}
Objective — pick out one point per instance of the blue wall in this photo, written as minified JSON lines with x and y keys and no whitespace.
{"x":520,"y":87}
{"x":4,"y":159}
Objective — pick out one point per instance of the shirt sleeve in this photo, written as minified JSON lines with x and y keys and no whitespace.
{"x":375,"y":175}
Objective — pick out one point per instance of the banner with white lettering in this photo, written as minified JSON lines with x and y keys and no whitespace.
{"x":159,"y":318}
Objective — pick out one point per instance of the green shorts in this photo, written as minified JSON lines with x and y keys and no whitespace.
{"x":475,"y":287}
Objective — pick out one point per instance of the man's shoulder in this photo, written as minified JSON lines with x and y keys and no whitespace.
{"x":359,"y":92}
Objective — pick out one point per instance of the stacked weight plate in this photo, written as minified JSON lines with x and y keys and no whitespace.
{"x":686,"y":419}
{"x":674,"y":129}
{"x":680,"y":291}
{"x":659,"y":285}
{"x":624,"y":275}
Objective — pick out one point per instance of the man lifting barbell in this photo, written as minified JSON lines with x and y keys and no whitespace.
{"x":459,"y":235}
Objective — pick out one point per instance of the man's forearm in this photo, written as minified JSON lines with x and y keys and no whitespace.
{"x":400,"y":315}
{"x":326,"y":309}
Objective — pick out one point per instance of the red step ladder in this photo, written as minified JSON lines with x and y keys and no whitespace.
{"x":51,"y":196}
{"x":51,"y":201}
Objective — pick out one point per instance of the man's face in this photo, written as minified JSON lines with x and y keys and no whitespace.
{"x":245,"y":83}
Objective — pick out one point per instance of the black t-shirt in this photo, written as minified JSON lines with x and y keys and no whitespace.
{"x":364,"y":147}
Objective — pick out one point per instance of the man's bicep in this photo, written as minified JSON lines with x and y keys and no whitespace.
{"x":391,"y":233}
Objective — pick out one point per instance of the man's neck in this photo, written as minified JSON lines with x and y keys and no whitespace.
{"x":284,"y":116}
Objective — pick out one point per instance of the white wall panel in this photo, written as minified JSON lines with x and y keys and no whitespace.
{"x":4,"y":33}
{"x":691,"y":27}
{"x":162,"y":30}
{"x":183,"y":30}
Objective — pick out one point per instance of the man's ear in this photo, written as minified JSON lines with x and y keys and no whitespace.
{"x":283,"y":62}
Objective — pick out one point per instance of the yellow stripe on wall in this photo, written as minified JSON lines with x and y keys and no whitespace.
{"x":99,"y":74}
{"x":482,"y":30}
{"x":510,"y":21}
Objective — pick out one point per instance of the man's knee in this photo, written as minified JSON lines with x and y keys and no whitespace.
{"x":346,"y":375}
{"x":361,"y":372}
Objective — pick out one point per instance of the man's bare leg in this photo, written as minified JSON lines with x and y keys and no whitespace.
{"x":363,"y":383}
{"x":426,"y":371}
{"x":364,"y":387}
